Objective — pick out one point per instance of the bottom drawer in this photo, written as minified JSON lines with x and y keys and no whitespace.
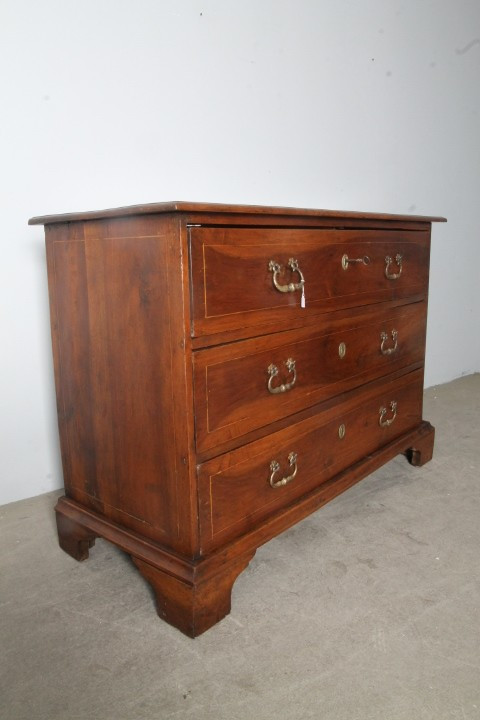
{"x":241,"y":488}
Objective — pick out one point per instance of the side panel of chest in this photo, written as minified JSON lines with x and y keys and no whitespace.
{"x":118,"y":330}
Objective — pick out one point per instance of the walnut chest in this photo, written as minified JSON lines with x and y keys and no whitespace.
{"x":223,"y":371}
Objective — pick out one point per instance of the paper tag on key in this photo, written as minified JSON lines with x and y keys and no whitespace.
{"x":302,"y":299}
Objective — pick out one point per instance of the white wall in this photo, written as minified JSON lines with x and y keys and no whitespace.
{"x":341,"y":104}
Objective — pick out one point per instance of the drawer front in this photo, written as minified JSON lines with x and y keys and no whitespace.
{"x":240,"y":489}
{"x":246,"y":385}
{"x":242,"y":277}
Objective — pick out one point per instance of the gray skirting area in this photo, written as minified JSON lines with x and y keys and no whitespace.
{"x":367,"y":610}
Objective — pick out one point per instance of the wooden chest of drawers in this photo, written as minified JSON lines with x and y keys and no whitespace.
{"x":222,"y":372}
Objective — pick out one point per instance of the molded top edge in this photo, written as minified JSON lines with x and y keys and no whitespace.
{"x":220,"y":208}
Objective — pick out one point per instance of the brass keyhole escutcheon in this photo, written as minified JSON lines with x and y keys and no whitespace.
{"x":341,"y":431}
{"x":342,"y":349}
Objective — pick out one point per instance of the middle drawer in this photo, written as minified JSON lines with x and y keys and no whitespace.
{"x":247,"y":385}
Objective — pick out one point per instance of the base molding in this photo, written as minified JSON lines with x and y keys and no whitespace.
{"x":194,"y":594}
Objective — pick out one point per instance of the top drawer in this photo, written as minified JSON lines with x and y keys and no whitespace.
{"x":242,"y":277}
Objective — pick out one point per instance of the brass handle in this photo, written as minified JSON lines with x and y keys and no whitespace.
{"x":346,"y":261}
{"x":275,"y":467}
{"x":275,"y":268}
{"x":388,"y":262}
{"x":383,"y":411}
{"x":273,"y":372}
{"x":384,"y":338}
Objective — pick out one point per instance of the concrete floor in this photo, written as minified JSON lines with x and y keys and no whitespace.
{"x":368,"y":609}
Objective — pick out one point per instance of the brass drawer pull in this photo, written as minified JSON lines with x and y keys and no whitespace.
{"x":275,"y":268}
{"x":284,"y":387}
{"x":383,"y":411}
{"x":346,"y":261}
{"x":388,"y":262}
{"x":275,"y":467}
{"x":384,"y":338}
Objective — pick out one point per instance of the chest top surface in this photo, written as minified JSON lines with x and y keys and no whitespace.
{"x":226,"y":209}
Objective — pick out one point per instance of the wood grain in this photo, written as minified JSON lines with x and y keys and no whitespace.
{"x":231,"y":393}
{"x":234,"y":491}
{"x":118,"y":360}
{"x":234,"y":287}
{"x":222,"y":210}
